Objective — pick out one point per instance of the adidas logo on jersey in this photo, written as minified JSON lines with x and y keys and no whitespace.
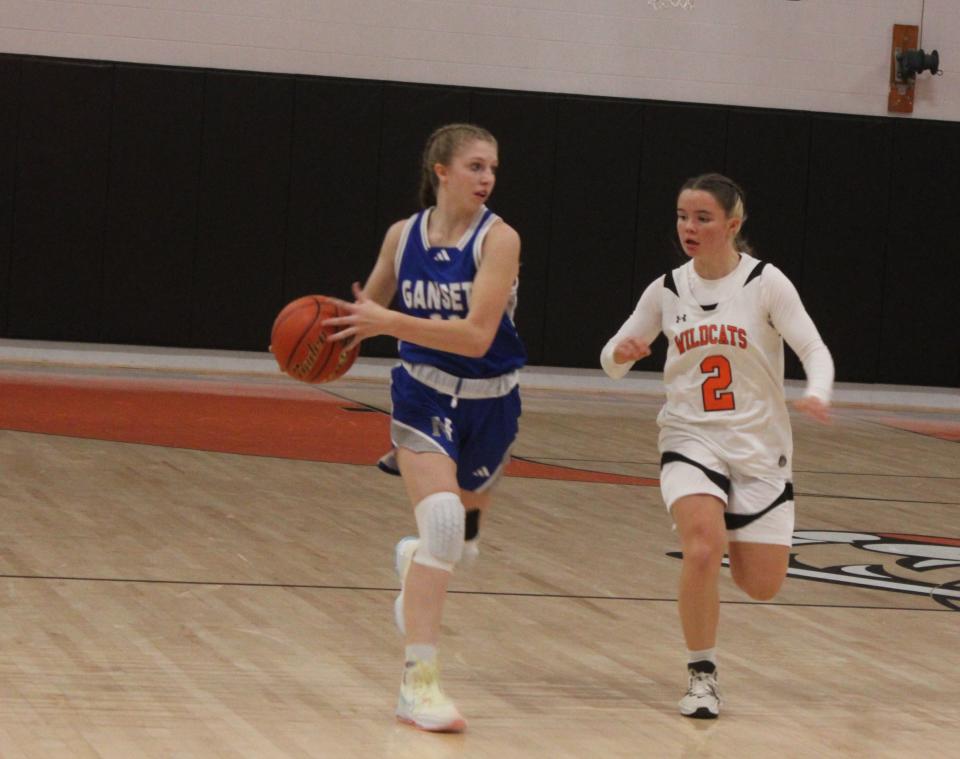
{"x":442,"y":256}
{"x":481,"y":472}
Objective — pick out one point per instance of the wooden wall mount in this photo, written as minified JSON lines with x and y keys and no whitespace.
{"x":900,"y":100}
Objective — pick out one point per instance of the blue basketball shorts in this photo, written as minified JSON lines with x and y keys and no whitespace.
{"x":454,"y":417}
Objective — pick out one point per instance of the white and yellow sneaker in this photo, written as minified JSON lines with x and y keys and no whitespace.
{"x":403,"y":555}
{"x":423,"y":704}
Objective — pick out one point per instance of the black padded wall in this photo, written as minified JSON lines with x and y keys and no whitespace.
{"x":10,"y":96}
{"x":589,"y":282}
{"x":334,"y":235}
{"x":152,"y":208}
{"x":679,"y":142}
{"x":845,"y":239}
{"x":166,"y":206}
{"x":525,"y":126}
{"x":63,"y":161}
{"x":244,"y":191}
{"x":920,"y":343}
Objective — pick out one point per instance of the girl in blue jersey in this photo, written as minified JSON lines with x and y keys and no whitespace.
{"x":453,"y":267}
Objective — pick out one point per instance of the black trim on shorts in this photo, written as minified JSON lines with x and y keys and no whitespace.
{"x":716,"y":478}
{"x":387,"y":469}
{"x":739,"y":521}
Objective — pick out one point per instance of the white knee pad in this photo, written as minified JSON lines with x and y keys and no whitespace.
{"x":440,"y":520}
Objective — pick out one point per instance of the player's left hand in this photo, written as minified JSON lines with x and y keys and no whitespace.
{"x":365,"y":318}
{"x":814,"y":408}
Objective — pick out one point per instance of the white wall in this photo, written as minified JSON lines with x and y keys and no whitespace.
{"x":822,"y":55}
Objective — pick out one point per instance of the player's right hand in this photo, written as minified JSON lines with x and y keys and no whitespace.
{"x":364,"y":318}
{"x":814,"y":408}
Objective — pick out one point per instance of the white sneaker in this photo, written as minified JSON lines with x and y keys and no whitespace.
{"x":402,"y":556}
{"x":702,"y":700}
{"x":423,"y":704}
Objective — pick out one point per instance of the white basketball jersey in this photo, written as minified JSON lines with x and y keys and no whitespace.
{"x":724,"y":371}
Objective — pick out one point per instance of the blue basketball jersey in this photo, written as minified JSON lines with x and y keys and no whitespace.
{"x":435,"y":283}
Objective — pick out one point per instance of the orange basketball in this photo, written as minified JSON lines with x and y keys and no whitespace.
{"x":299,"y":342}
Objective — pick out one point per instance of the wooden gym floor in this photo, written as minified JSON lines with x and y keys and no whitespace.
{"x":199,"y":564}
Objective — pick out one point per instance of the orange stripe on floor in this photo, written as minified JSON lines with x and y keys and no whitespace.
{"x":294,"y":421}
{"x":944,"y":430}
{"x":321,"y":428}
{"x":920,"y":539}
{"x":525,"y":468}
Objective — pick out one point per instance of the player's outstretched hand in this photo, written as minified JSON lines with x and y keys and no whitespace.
{"x":814,"y":408}
{"x":630,"y":349}
{"x":365,"y":318}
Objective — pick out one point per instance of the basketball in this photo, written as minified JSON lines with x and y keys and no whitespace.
{"x":299,"y":341}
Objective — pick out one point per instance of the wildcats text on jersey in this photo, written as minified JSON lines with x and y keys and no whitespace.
{"x":449,"y":296}
{"x":711,"y":334}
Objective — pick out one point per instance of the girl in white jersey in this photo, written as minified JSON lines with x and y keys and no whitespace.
{"x":455,"y":396}
{"x":725,"y":441}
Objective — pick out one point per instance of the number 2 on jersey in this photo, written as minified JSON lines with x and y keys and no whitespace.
{"x":719,"y":379}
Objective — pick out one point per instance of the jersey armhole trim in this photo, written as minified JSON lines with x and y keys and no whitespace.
{"x":670,"y":284}
{"x":402,"y":244}
{"x":480,"y":236}
{"x":757,"y":270}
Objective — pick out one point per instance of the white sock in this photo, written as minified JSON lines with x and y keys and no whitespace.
{"x":421,"y":652}
{"x":708,"y":654}
{"x":471,"y":550}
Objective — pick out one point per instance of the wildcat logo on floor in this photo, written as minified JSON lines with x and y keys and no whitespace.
{"x":918,"y":554}
{"x":922,"y":565}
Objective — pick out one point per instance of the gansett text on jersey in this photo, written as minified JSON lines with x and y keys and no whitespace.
{"x":429,"y":295}
{"x":711,"y":334}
